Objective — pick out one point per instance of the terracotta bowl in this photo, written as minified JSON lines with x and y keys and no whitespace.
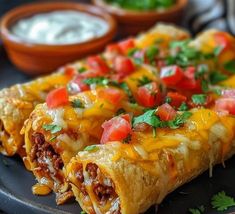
{"x":133,"y":22}
{"x":37,"y":59}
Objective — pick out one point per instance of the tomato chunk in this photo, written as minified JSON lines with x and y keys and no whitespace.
{"x":166,"y":112}
{"x":70,"y":71}
{"x":114,"y":48}
{"x":149,"y":95}
{"x":112,"y":95}
{"x":223,"y":39}
{"x":176,"y":99}
{"x":188,"y":82}
{"x":116,"y":129}
{"x":58,"y":97}
{"x":171,"y":75}
{"x":226,"y":105}
{"x":126,"y":45}
{"x":97,"y":64}
{"x":123,"y":65}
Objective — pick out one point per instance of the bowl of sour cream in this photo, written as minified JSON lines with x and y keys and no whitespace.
{"x":41,"y":37}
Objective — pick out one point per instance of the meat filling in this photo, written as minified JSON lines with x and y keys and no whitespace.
{"x":102,"y":187}
{"x":41,"y":152}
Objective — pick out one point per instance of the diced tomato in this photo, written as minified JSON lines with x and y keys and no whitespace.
{"x":166,"y":112}
{"x":57,"y":97}
{"x":226,"y":105}
{"x":116,"y":129}
{"x":176,"y":99}
{"x":80,"y":85}
{"x":149,"y":95}
{"x":223,"y":39}
{"x":188,"y":82}
{"x":171,"y":75}
{"x":112,"y":95}
{"x":123,"y":65}
{"x":97,"y":64}
{"x":126,"y":45}
{"x":70,"y":71}
{"x":228,"y":93}
{"x":114,"y":48}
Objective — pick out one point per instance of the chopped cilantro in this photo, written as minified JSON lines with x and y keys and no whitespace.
{"x":148,"y":117}
{"x":96,"y":80}
{"x":199,"y":99}
{"x":222,"y":202}
{"x":126,"y":88}
{"x":198,"y":210}
{"x":52,"y":128}
{"x":205,"y":85}
{"x":144,"y":80}
{"x":168,"y":100}
{"x":91,"y":148}
{"x":83,"y":212}
{"x":218,"y":50}
{"x":183,"y":107}
{"x":81,"y":70}
{"x":217,"y":91}
{"x":230,"y":66}
{"x":151,"y":119}
{"x":179,"y":120}
{"x":216,"y":77}
{"x":77,"y":103}
{"x":201,"y":71}
{"x":132,"y":51}
{"x":151,"y":53}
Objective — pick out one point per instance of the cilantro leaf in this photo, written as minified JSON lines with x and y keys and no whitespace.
{"x":52,"y":128}
{"x":198,"y":210}
{"x":168,"y":99}
{"x":91,"y":148}
{"x":81,"y":70}
{"x":144,"y":80}
{"x":132,"y":51}
{"x":216,"y":77}
{"x":148,"y":117}
{"x":221,"y":201}
{"x":83,"y":212}
{"x":96,"y":80}
{"x":230,"y":66}
{"x":77,"y":104}
{"x":179,"y":120}
{"x":183,"y":107}
{"x":218,"y":50}
{"x":199,"y":99}
{"x":151,"y":53}
{"x":126,"y":88}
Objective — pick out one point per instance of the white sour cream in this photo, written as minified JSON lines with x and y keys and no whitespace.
{"x":60,"y":27}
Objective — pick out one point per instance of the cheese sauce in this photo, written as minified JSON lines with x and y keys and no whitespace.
{"x":60,"y":27}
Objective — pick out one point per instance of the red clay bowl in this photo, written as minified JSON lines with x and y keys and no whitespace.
{"x":37,"y":59}
{"x":133,"y":22}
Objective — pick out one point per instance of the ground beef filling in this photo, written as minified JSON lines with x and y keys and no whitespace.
{"x":102,"y":187}
{"x":41,"y":151}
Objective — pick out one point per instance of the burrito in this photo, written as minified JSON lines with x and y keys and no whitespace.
{"x":118,"y":177}
{"x":17,"y":102}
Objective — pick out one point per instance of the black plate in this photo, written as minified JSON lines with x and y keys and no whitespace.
{"x":16,"y":196}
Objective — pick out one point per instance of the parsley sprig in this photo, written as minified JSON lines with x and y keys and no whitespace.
{"x":222,"y":202}
{"x":150,"y":118}
{"x":198,"y":210}
{"x":52,"y":128}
